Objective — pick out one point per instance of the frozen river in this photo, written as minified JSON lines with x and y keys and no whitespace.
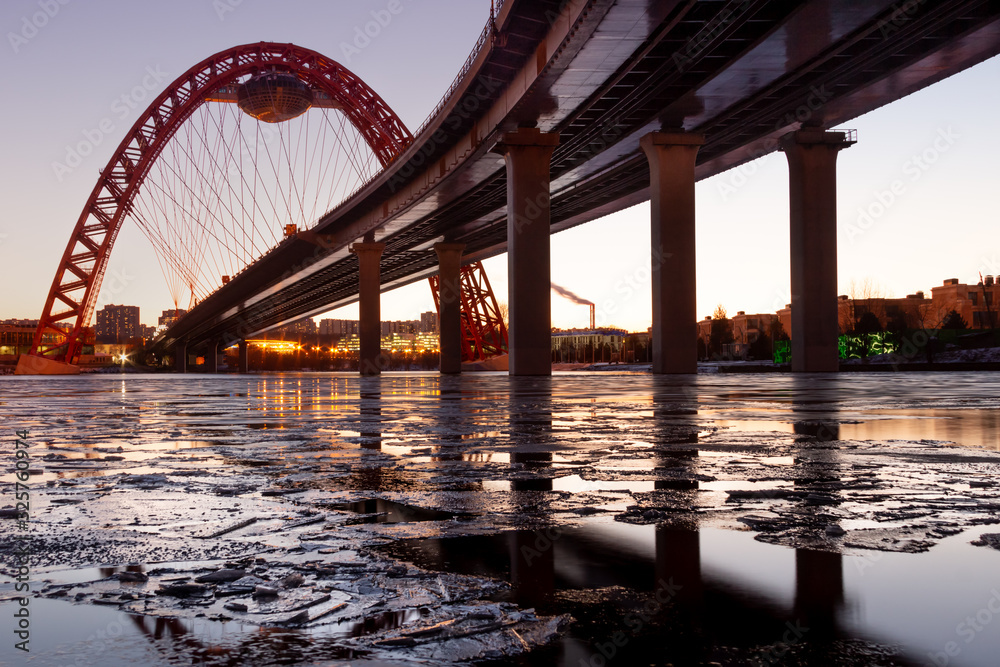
{"x":735,"y":519}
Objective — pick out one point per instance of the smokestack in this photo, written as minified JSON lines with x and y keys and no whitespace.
{"x":566,"y":294}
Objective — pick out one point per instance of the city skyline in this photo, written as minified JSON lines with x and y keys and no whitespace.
{"x":915,"y":199}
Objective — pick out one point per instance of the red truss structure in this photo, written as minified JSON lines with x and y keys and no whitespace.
{"x":484,"y":333}
{"x":77,"y":282}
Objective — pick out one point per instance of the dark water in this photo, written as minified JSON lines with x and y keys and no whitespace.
{"x":488,"y":437}
{"x":653,"y":595}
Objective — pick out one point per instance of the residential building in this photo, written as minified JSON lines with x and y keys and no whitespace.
{"x":596,"y":344}
{"x":117,"y":324}
{"x":400,"y":327}
{"x":977,"y":304}
{"x":168,"y":317}
{"x":429,"y":322}
{"x":330,"y":327}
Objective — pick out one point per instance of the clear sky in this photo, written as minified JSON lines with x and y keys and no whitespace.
{"x":63,"y":79}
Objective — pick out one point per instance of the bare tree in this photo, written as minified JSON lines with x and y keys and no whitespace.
{"x":721,"y":333}
{"x":504,"y":314}
{"x":868,"y":296}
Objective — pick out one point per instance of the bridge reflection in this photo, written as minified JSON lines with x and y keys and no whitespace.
{"x":658,"y":597}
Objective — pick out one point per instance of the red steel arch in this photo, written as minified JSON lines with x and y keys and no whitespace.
{"x":77,"y":281}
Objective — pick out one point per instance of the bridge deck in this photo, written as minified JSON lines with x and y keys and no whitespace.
{"x":602,"y":74}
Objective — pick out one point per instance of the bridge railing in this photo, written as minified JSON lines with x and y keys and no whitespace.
{"x":484,"y":37}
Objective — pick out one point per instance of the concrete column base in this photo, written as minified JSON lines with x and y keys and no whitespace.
{"x":180,"y":358}
{"x":244,"y":357}
{"x":212,"y":357}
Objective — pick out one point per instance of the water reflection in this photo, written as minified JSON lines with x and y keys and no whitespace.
{"x":545,"y":443}
{"x":370,"y":408}
{"x":657,"y":589}
{"x":819,"y":591}
{"x":531,"y":428}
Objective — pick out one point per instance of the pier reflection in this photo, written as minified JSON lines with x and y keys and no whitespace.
{"x":659,"y":593}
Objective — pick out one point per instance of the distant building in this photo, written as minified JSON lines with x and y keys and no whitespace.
{"x":349,"y":343}
{"x":168,"y":317}
{"x":147,"y":332}
{"x":117,"y":324}
{"x":400,"y":342}
{"x":16,"y":339}
{"x":428,"y":341}
{"x":350,"y":327}
{"x":304,"y":327}
{"x":329,"y":327}
{"x":977,"y":304}
{"x":400,"y":327}
{"x":748,"y":328}
{"x":587,"y":344}
{"x":17,"y":336}
{"x":429,"y":322}
{"x":744,"y":329}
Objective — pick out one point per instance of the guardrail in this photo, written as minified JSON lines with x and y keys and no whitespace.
{"x":483,"y":38}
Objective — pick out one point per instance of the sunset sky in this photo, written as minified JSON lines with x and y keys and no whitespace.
{"x":939,"y":146}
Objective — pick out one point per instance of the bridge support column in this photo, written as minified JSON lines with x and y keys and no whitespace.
{"x":369,"y":306}
{"x":812,"y":184}
{"x":671,"y":157}
{"x":212,"y":357}
{"x":527,"y":152}
{"x":450,"y":300}
{"x":180,"y":358}
{"x":244,"y":357}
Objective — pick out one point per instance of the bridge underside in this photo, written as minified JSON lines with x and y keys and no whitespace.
{"x":602,"y":75}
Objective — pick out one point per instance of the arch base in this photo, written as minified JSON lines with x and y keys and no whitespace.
{"x":28,"y":364}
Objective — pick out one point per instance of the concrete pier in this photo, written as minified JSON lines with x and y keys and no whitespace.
{"x":180,"y":358}
{"x":212,"y":357}
{"x":671,"y":157}
{"x":527,"y":153}
{"x":812,"y":188}
{"x":450,"y":300}
{"x":244,"y":357}
{"x":369,"y":306}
